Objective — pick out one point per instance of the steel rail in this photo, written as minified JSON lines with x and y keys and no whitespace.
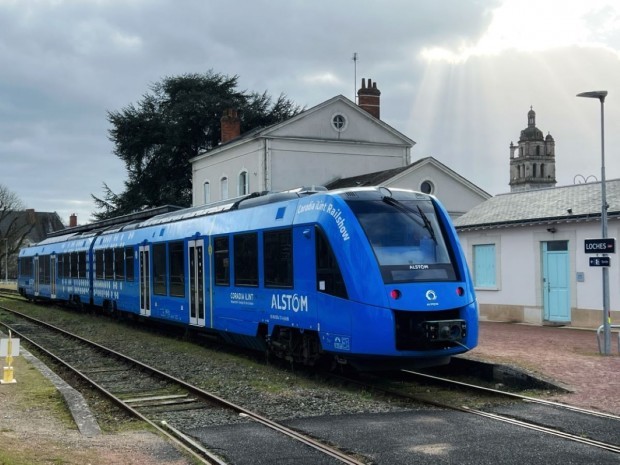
{"x":328,"y":450}
{"x":475,"y":387}
{"x":543,"y":429}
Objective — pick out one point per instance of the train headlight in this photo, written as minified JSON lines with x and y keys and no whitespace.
{"x":460,"y":291}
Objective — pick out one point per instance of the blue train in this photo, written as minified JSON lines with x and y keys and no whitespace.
{"x":366,"y":276}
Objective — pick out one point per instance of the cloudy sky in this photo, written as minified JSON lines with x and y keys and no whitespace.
{"x":456,"y":76}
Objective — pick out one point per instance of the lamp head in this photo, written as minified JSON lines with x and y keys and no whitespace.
{"x":599,"y":94}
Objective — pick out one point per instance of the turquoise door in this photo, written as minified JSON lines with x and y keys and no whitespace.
{"x":556,"y":281}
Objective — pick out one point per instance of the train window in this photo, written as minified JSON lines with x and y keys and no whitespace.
{"x":159,"y":269}
{"x":407,"y":238}
{"x":177,"y":269}
{"x":99,"y":264}
{"x":44,"y":269}
{"x":59,"y":261}
{"x":119,"y":264}
{"x":278,"y":258}
{"x":129,"y":272}
{"x":25,"y":266}
{"x":222,"y":261}
{"x":67,"y":266}
{"x":82,"y":265}
{"x":74,"y":265}
{"x":109,"y":263}
{"x":328,"y":276}
{"x":246,"y":259}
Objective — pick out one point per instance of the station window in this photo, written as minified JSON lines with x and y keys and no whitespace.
{"x":109,"y":263}
{"x":99,"y":264}
{"x":207,"y":192}
{"x":222,"y":261}
{"x":159,"y":269}
{"x":484,"y":266}
{"x":278,"y":258}
{"x":246,"y":259}
{"x":244,"y":181}
{"x":224,"y":188}
{"x":177,"y":269}
{"x":129,"y":272}
{"x":328,"y":276}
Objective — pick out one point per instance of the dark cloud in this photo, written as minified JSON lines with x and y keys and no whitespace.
{"x":66,"y":63}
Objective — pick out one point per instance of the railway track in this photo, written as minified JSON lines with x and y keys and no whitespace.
{"x":595,"y":429}
{"x":151,"y":395}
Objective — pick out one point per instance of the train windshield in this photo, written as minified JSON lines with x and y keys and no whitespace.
{"x":407,"y":239}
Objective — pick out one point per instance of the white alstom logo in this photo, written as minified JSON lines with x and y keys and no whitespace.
{"x":431,"y":295}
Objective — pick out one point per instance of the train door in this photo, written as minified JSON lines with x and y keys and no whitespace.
{"x":195,"y":250}
{"x":52,"y":276}
{"x":145,"y":279}
{"x":36,"y":274}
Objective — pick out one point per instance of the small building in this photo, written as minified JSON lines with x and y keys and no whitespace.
{"x":527,"y":256}
{"x":428,"y":175}
{"x":20,"y":229}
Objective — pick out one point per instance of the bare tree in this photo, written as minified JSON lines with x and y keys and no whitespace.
{"x":13,"y":231}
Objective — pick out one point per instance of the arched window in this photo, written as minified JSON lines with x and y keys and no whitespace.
{"x":538,"y":150}
{"x":207,"y":192}
{"x":244,"y":183}
{"x":542,"y":170}
{"x":534,"y":170}
{"x":223,"y":188}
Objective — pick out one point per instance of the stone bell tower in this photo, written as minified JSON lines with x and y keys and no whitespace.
{"x":532,"y":161}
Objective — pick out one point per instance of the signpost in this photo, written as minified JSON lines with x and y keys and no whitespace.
{"x":603,"y":246}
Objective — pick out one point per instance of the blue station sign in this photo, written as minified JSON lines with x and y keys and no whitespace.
{"x":607,"y":245}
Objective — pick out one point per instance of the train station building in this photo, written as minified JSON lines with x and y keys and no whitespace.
{"x":337,"y":143}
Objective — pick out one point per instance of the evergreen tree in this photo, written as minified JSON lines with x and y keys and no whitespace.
{"x":176,"y":121}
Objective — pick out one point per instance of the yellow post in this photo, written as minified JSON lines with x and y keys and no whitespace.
{"x":7,"y":374}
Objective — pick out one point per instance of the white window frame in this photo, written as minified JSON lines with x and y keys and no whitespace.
{"x":206,"y":191}
{"x":224,"y":187}
{"x":243,"y":183}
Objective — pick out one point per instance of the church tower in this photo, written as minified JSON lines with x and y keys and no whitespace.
{"x":533,"y":165}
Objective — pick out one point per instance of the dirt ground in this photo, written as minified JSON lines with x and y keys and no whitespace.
{"x":36,"y":429}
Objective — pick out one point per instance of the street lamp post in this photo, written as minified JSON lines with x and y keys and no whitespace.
{"x":600,"y":95}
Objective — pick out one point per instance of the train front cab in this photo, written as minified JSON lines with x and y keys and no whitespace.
{"x":409,"y":291}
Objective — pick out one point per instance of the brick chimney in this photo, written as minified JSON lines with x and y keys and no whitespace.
{"x":369,"y":98}
{"x":231,"y":125}
{"x":32,"y":219}
{"x":73,"y":220}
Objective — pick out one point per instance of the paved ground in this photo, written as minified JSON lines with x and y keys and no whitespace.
{"x":569,"y":356}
